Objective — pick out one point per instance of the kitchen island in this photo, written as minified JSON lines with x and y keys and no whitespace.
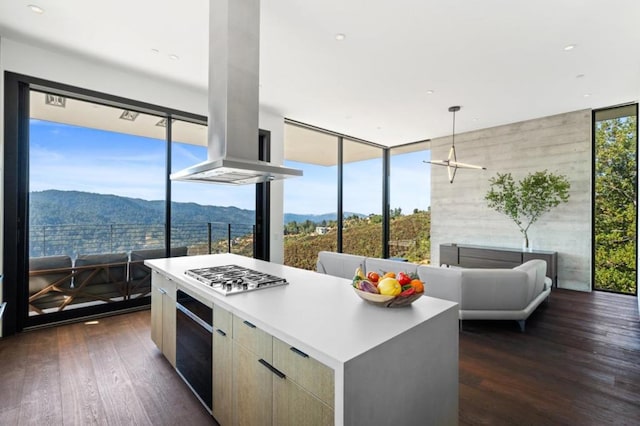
{"x":312,"y":352}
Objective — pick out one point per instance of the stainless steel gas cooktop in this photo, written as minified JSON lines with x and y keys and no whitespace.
{"x":234,"y":279}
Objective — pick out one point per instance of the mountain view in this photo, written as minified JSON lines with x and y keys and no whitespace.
{"x":74,"y":222}
{"x":53,"y":207}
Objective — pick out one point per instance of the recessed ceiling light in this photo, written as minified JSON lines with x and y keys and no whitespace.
{"x":55,"y":100}
{"x":586,"y":95}
{"x":430,"y":92}
{"x":340,"y":36}
{"x":36,"y":9}
{"x":155,"y":50}
{"x":580,"y":76}
{"x":569,"y":47}
{"x":174,"y":57}
{"x":129,"y":115}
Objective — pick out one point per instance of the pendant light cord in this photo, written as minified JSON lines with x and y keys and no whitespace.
{"x":453,"y":132}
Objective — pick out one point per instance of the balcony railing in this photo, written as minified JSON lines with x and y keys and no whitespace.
{"x":200,"y":238}
{"x":72,"y":266}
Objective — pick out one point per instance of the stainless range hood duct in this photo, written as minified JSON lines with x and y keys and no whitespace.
{"x":234,"y":62}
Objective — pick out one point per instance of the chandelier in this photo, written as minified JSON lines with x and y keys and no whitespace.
{"x":451,"y":163}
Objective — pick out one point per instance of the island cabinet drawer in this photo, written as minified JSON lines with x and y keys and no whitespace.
{"x":222,"y":320}
{"x":246,"y":334}
{"x":313,"y":376}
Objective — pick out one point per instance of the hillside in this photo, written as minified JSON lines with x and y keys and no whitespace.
{"x":54,"y":207}
{"x":80,"y":222}
{"x":409,"y":239}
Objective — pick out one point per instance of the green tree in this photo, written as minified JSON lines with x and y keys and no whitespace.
{"x":615,"y":204}
{"x":530,"y":198}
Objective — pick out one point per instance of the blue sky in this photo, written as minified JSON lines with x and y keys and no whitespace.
{"x":67,"y":157}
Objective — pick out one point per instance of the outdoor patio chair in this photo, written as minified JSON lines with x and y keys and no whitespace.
{"x":99,"y":278}
{"x":49,"y":282}
{"x":140,"y":275}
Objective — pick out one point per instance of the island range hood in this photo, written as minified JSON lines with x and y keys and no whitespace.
{"x":232,"y":138}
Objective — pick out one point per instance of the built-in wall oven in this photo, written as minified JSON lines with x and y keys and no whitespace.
{"x":194,"y":334}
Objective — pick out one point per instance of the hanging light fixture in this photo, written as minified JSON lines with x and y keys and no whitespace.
{"x":451,"y":163}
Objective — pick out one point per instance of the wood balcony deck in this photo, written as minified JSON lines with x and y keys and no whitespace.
{"x":577,"y":364}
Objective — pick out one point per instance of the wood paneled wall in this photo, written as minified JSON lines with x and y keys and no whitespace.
{"x":560,"y":144}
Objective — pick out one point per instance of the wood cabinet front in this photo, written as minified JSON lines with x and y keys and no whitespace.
{"x":163,"y":315}
{"x":307,"y":372}
{"x":295,"y":406}
{"x":252,"y":389}
{"x":275,"y":383}
{"x":222,"y":369}
{"x":305,"y":395}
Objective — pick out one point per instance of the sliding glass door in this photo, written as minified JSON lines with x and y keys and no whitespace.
{"x":87,"y":199}
{"x":96,"y":179}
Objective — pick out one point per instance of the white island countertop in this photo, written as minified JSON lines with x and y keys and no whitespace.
{"x":407,"y":354}
{"x":320,"y":314}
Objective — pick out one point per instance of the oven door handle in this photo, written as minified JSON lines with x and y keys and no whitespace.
{"x":194,"y":317}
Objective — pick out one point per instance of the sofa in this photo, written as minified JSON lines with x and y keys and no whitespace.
{"x":490,"y":294}
{"x":481,"y":294}
{"x":344,"y":265}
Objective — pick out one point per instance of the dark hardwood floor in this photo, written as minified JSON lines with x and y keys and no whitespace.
{"x":108,"y":373}
{"x":578,"y":363}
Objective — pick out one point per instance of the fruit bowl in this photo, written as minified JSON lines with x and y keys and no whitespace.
{"x":390,"y":290}
{"x":387,"y":301}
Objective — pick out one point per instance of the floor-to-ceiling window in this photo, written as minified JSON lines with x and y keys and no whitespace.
{"x":615,"y":199}
{"x":342,"y":174}
{"x":310,"y":202}
{"x":409,"y":201}
{"x":207,"y":218}
{"x":362,"y":199}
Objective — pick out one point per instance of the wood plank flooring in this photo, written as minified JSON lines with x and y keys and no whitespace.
{"x":578,"y":363}
{"x":108,"y":373}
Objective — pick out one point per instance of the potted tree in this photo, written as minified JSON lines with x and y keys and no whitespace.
{"x":528,"y":199}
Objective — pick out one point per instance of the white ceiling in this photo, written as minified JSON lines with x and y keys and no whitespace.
{"x":502,"y":60}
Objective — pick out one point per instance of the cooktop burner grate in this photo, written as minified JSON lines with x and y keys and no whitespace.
{"x":234,"y":279}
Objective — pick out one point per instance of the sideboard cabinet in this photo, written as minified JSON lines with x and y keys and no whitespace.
{"x":470,"y":256}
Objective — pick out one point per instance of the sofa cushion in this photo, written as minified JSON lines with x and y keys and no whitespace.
{"x":339,"y":264}
{"x":442,"y":283}
{"x":494,"y":289}
{"x":139,"y":271}
{"x":382,"y":266}
{"x":536,"y":269}
{"x":38,"y":282}
{"x":101,"y":275}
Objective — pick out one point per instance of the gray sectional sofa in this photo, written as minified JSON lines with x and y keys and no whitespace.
{"x":482,"y":294}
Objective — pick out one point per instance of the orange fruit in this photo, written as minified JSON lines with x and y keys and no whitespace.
{"x":389,"y":275}
{"x":417,"y":285}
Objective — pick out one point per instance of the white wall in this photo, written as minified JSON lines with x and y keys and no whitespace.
{"x":83,"y":72}
{"x":560,"y":144}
